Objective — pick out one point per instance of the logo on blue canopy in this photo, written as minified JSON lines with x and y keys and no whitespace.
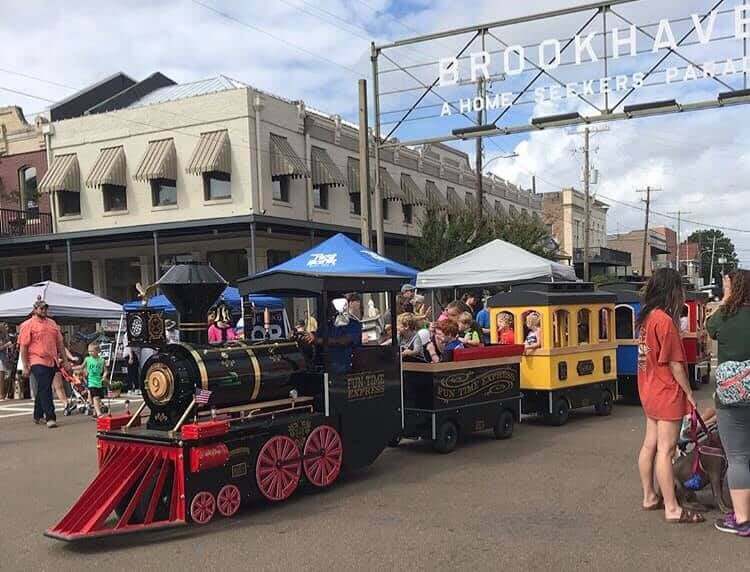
{"x":320,"y":259}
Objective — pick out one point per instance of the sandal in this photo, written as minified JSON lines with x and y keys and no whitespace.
{"x":658,"y":505}
{"x":687,"y":517}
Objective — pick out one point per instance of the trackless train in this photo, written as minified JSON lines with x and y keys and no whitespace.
{"x":258,"y":420}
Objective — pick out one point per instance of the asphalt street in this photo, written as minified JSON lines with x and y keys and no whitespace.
{"x":550,"y":498}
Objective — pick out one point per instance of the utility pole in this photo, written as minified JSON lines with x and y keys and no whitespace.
{"x":679,"y":234}
{"x":587,"y":207}
{"x":377,"y":192}
{"x":648,"y":192}
{"x":482,"y":95}
{"x":364,"y":165}
{"x":713,"y":252}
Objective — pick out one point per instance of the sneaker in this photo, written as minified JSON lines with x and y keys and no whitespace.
{"x":37,"y":421}
{"x":729,"y":525}
{"x":51,"y":424}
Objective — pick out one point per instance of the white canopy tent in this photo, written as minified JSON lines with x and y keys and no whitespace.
{"x":65,"y":304}
{"x":496,"y":262}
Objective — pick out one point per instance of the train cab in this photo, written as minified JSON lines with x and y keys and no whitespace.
{"x":627,"y":309}
{"x":695,"y":338}
{"x":570,"y":360}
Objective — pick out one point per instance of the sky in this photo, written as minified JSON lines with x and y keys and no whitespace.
{"x":317,"y":50}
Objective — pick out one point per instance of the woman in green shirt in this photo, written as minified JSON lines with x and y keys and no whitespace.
{"x":730,"y":327}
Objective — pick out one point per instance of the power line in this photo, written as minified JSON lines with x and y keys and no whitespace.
{"x":275,"y":37}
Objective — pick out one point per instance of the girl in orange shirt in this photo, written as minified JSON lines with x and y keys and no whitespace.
{"x":664,"y":390}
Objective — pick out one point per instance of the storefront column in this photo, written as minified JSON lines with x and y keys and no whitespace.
{"x":147,"y":276}
{"x":69,"y":255}
{"x":99,"y":279}
{"x":157,"y":269}
{"x":251,"y":254}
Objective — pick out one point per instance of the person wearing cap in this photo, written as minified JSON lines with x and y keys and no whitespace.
{"x":42,"y":349}
{"x":405,"y":300}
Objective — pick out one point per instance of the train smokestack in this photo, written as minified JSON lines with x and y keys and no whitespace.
{"x":192,"y":287}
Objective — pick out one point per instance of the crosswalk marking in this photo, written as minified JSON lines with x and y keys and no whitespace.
{"x":16,"y":408}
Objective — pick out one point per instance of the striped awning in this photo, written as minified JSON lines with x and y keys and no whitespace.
{"x":63,"y":175}
{"x":352,"y":167}
{"x":413,"y":194}
{"x":324,"y":170}
{"x":499,"y":209}
{"x":211,"y":154}
{"x":284,"y":161}
{"x":435,"y":197}
{"x":454,"y":200}
{"x":109,"y":168}
{"x":391,"y":190}
{"x":159,"y":162}
{"x":470,"y":201}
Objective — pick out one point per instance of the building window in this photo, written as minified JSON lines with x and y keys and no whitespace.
{"x":115,"y":198}
{"x":584,"y":326}
{"x":217,"y":186}
{"x":320,"y":197}
{"x":280,"y":189}
{"x":408,"y":213}
{"x":163,"y":192}
{"x":384,"y":209}
{"x":624,"y":323}
{"x":122,"y":274}
{"x":512,"y":211}
{"x":6,"y":280}
{"x":276,"y":257}
{"x":29,"y":191}
{"x":35,"y":274}
{"x":355,"y":204}
{"x":69,"y":203}
{"x":231,"y":264}
{"x":561,"y":328}
{"x":605,"y":317}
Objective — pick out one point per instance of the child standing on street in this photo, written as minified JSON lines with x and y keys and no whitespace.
{"x":94,"y":372}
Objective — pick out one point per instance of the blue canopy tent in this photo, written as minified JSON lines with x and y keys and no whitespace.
{"x":337,"y":264}
{"x":231,"y":296}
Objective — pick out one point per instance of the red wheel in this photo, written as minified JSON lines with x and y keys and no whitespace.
{"x":278,"y":468}
{"x":228,"y":500}
{"x":323,"y":454}
{"x":202,"y":507}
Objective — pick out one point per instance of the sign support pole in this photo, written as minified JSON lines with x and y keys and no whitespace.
{"x":364,"y":166}
{"x":378,"y":193}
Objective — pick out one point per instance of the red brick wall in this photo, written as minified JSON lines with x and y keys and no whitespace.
{"x":9,"y":179}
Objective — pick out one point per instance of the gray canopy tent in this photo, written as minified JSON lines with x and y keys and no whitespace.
{"x":497,"y":262}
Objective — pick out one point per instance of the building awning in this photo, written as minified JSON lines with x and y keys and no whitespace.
{"x":391,"y":190}
{"x":159,"y":162}
{"x":109,"y":168}
{"x":284,"y":161}
{"x":324,"y":170}
{"x":435,"y":197}
{"x":352,"y":166}
{"x":499,"y":209}
{"x":454,"y":200}
{"x":211,"y":154}
{"x":63,"y":175}
{"x":413,"y":194}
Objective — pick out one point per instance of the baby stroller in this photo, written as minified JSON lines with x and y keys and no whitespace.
{"x":79,"y":401}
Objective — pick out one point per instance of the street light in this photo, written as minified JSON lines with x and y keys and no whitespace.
{"x":496,"y":157}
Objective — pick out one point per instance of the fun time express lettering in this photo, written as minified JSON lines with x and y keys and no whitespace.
{"x":514,"y":60}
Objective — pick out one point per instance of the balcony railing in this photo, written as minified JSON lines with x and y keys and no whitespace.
{"x":24,"y":223}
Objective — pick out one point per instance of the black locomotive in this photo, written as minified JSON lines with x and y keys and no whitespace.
{"x":232,"y":422}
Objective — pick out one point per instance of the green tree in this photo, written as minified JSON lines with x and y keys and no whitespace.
{"x":447,"y":235}
{"x":724,"y":249}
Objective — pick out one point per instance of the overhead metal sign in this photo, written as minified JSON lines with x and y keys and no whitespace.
{"x":604,"y":64}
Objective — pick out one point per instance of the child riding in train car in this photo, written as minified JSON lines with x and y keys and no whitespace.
{"x":408,"y":337}
{"x":506,"y":334}
{"x":533,"y":329}
{"x":470,"y":333}
{"x":440,"y":347}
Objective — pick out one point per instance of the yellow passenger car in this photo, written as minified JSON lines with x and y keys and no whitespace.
{"x":571,"y":353}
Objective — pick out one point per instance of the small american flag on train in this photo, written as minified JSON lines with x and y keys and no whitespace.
{"x":202,"y":396}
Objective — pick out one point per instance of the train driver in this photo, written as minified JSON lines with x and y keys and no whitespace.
{"x":344,"y":334}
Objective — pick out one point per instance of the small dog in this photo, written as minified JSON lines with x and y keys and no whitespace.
{"x":712,"y":463}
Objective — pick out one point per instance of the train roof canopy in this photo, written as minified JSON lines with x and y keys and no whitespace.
{"x":497,"y":262}
{"x":336,"y":265}
{"x":627,"y":292}
{"x":550,"y":294}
